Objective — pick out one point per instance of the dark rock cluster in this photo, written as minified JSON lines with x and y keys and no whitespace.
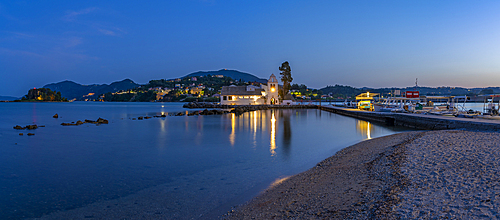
{"x":148,"y":117}
{"x":29,"y":127}
{"x":200,"y":105}
{"x":237,"y":110}
{"x":212,"y":112}
{"x":97,"y":122}
{"x":243,"y":109}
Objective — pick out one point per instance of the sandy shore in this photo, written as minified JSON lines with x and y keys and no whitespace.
{"x":435,"y":174}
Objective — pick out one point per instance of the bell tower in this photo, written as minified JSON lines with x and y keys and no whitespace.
{"x":272,"y":93}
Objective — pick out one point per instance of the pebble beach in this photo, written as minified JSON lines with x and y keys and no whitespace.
{"x":451,"y":174}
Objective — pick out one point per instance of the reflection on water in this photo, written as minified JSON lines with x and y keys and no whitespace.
{"x":279,"y":181}
{"x":257,"y":121}
{"x":273,"y":134}
{"x":194,"y":157}
{"x":255,"y":128}
{"x":364,"y":128}
{"x":232,"y":136}
{"x":287,"y":132}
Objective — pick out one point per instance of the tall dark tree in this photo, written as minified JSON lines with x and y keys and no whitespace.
{"x":286,"y":77}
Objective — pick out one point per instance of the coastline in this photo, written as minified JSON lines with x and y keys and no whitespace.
{"x":421,"y":174}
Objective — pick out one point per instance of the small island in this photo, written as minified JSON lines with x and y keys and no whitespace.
{"x":43,"y":95}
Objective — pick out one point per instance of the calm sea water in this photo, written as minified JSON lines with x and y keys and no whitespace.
{"x":230,"y":156}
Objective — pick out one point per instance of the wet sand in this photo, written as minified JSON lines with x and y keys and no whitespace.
{"x":435,"y":174}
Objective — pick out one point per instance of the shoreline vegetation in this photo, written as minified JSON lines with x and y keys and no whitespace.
{"x":433,"y":174}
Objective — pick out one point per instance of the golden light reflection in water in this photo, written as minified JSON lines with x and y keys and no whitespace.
{"x":279,"y":181}
{"x":273,"y":135}
{"x":232,"y":136}
{"x":162,"y":124}
{"x":365,"y":128}
{"x":254,"y":122}
{"x":368,"y":131}
{"x":255,"y":128}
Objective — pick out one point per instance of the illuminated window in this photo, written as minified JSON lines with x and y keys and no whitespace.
{"x":230,"y":98}
{"x":246,"y":97}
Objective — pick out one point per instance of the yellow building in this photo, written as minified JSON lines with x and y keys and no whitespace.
{"x":195,"y":91}
{"x":365,"y":101}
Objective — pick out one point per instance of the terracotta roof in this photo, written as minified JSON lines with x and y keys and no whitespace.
{"x":239,"y":90}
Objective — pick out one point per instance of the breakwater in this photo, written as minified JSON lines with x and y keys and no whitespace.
{"x":417,"y":121}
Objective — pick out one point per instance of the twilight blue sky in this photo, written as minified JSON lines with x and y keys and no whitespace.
{"x":357,"y":43}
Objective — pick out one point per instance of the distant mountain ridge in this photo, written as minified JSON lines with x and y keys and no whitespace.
{"x":234,"y":74}
{"x":72,"y":90}
{"x":8,"y":98}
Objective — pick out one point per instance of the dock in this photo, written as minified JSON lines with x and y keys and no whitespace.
{"x":417,"y":121}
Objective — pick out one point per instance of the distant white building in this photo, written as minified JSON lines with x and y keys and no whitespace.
{"x":251,"y":95}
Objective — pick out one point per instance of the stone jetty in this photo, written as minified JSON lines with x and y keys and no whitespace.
{"x":417,"y":121}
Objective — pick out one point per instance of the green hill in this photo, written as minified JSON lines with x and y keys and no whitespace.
{"x":234,"y":74}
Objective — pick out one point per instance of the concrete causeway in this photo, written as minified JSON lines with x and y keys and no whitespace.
{"x":417,"y":121}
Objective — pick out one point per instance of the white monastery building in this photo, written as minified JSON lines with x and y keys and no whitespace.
{"x":251,"y":95}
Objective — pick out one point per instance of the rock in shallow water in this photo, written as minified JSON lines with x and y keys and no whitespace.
{"x":18,"y":127}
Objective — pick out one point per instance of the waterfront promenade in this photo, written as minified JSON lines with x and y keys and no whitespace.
{"x":418,"y":121}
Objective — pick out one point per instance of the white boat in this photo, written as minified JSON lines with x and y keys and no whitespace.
{"x":396,"y":104}
{"x":489,"y":106}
